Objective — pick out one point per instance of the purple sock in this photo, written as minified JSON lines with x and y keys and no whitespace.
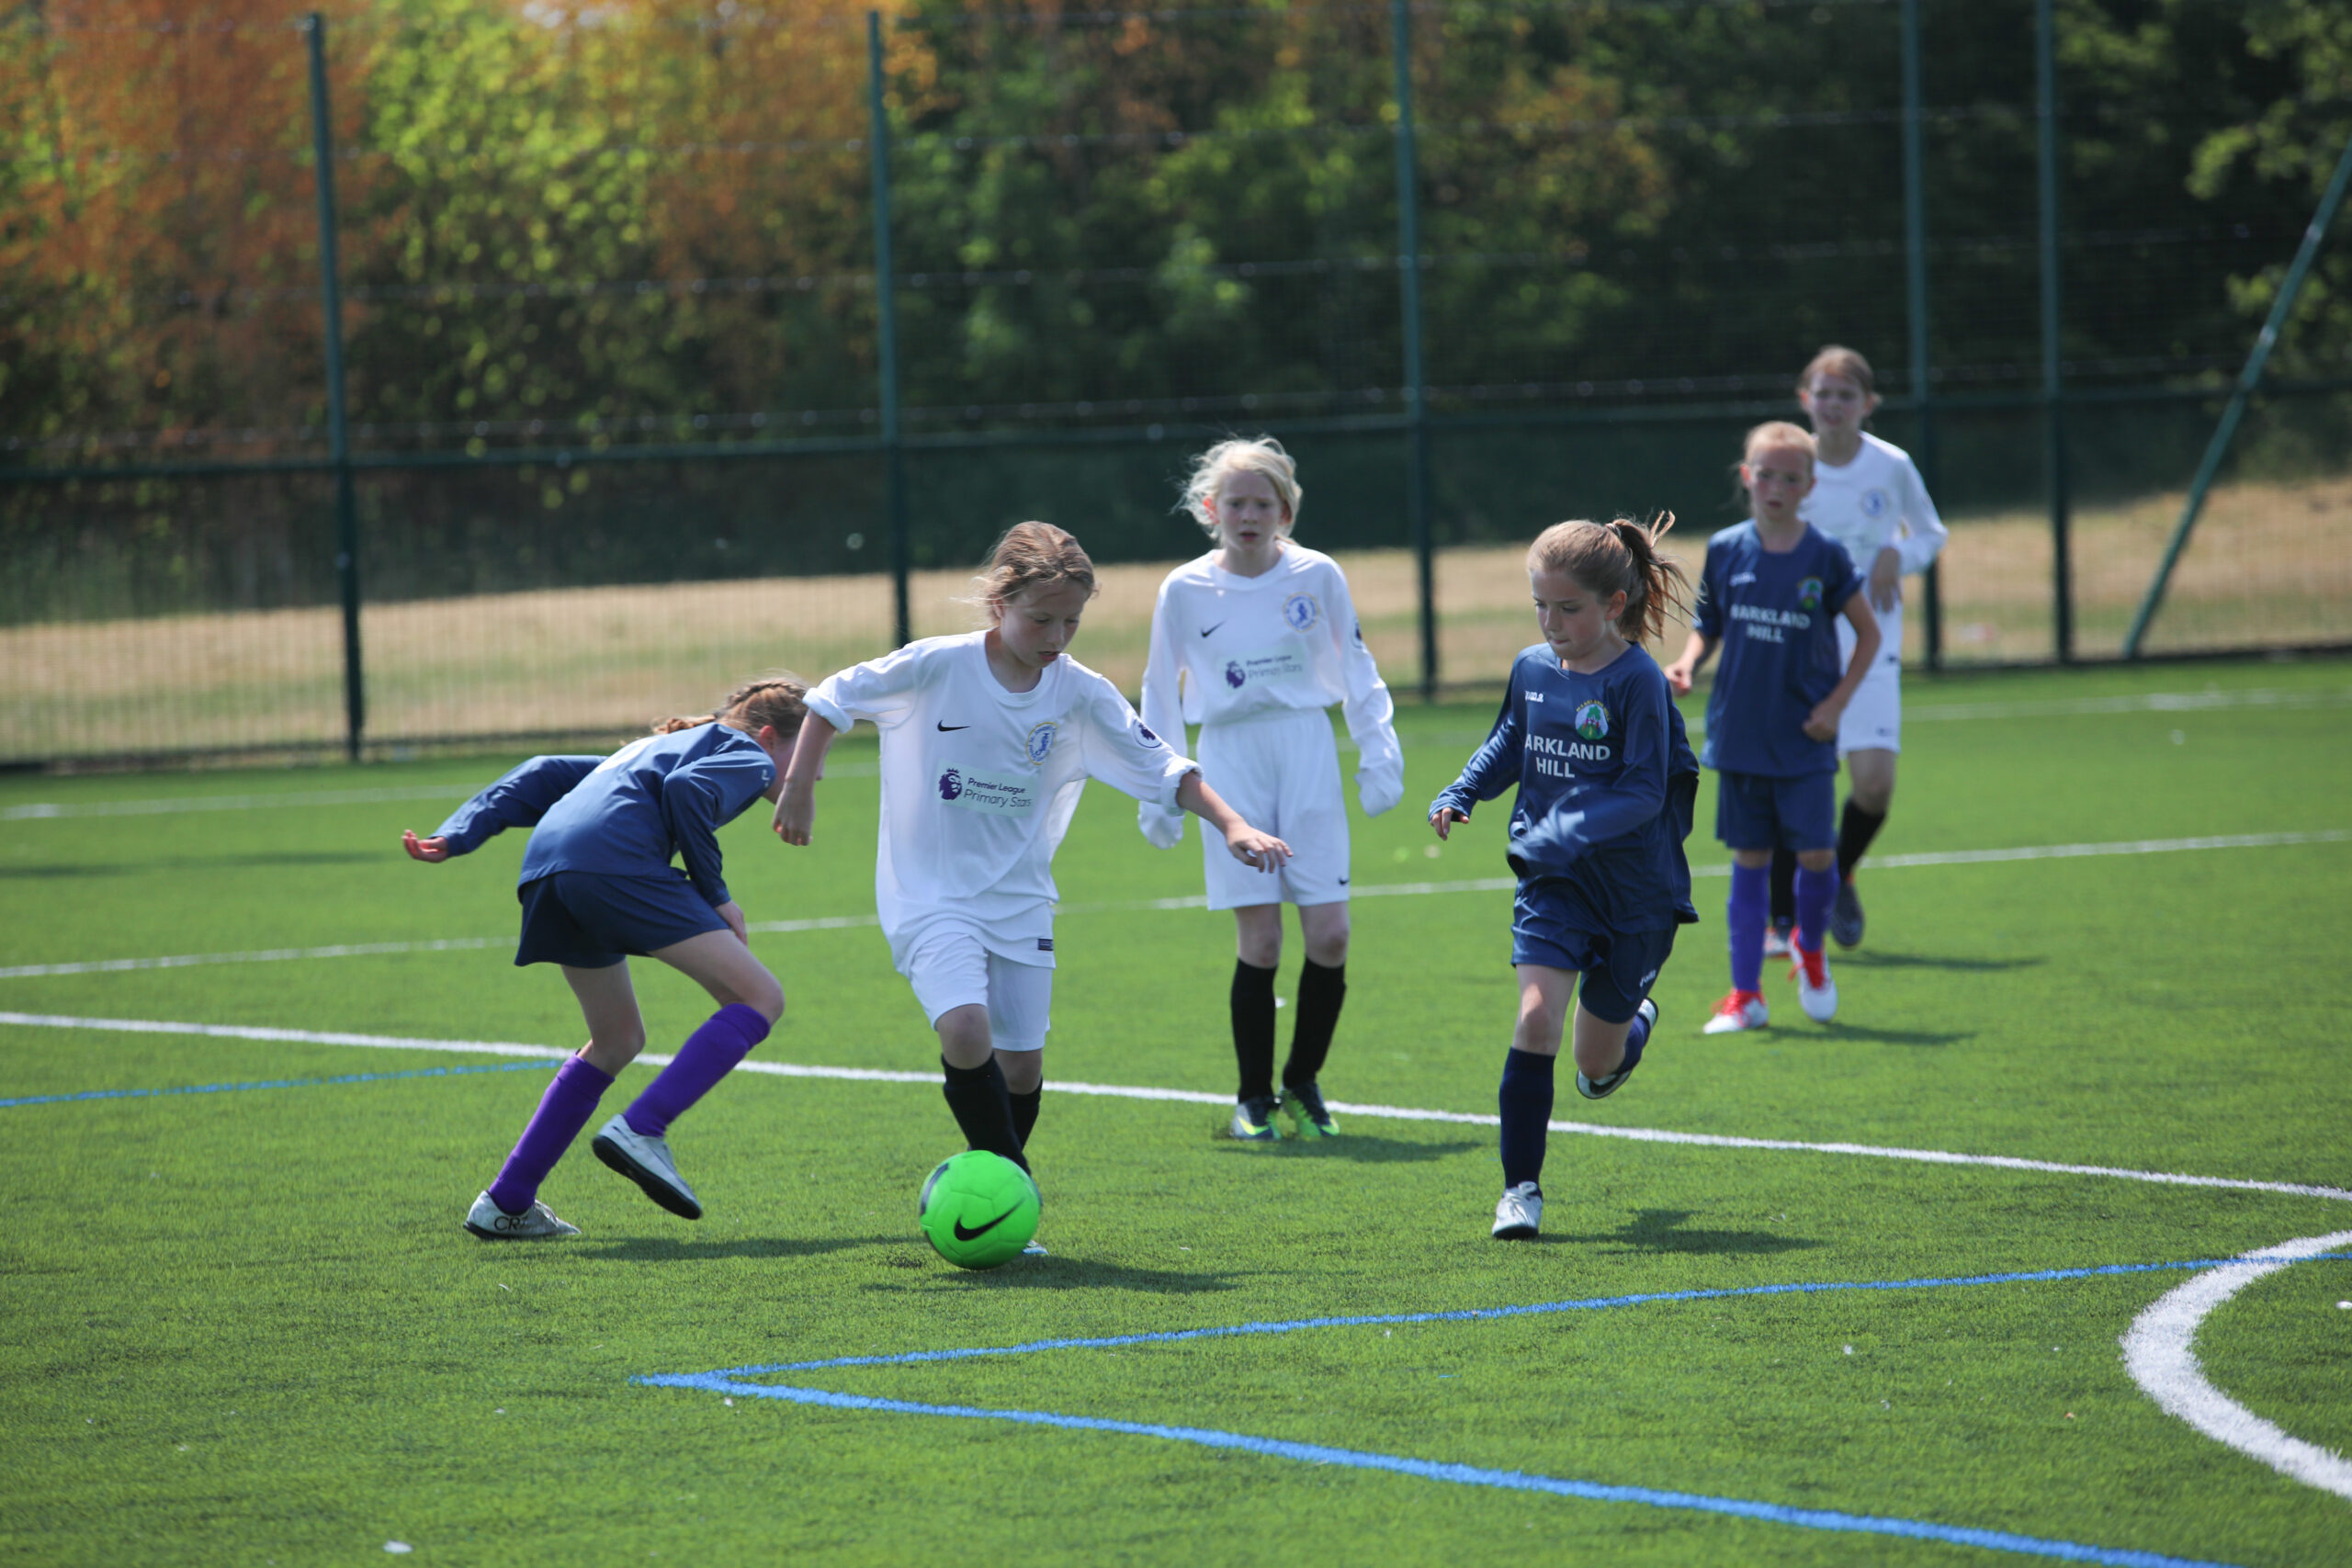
{"x":1814,"y":891}
{"x":1745,"y":915}
{"x":1526,"y":1104}
{"x":563,"y":1110}
{"x":709,"y":1054}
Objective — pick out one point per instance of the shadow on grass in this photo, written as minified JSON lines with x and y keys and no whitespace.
{"x":1937,"y":1038}
{"x":1661,"y":1230}
{"x":1878,"y":958}
{"x":1065,"y":1272}
{"x":188,"y":862}
{"x":681,"y":1249}
{"x":1348,"y":1147}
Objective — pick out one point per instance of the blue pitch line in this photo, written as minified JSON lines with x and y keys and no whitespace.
{"x":1462,"y":1474}
{"x":1474,"y":1315}
{"x":275,"y":1083}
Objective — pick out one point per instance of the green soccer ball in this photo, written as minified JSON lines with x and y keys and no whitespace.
{"x":979,"y":1209}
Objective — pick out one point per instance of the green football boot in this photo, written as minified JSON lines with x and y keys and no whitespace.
{"x":1303,"y":1104}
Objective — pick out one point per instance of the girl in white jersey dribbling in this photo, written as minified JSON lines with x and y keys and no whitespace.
{"x":1867,"y":495}
{"x":1253,"y":642}
{"x":988,"y":740}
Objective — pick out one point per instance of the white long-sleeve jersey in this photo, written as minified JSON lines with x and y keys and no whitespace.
{"x":979,"y":784}
{"x":1874,"y":501}
{"x":1224,"y":648}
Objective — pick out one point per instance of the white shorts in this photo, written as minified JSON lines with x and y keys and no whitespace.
{"x":1873,"y":720}
{"x":950,"y":965}
{"x":1282,"y":772}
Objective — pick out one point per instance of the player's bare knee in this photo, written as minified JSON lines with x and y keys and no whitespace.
{"x":764,"y":995}
{"x":1817,"y":859}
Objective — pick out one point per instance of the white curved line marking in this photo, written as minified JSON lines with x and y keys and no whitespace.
{"x":2160,"y":1354}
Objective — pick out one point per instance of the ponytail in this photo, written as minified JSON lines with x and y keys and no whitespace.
{"x":1618,"y":557}
{"x":778,"y":700}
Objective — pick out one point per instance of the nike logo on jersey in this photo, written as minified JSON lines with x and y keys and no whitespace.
{"x":946,"y":728}
{"x":1206,"y":630}
{"x":1343,"y":882}
{"x":963,"y":1234}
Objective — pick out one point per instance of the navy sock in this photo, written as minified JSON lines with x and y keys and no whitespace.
{"x":1526,"y":1103}
{"x":1253,"y":1029}
{"x":1815,"y":889}
{"x":1637,"y":1035}
{"x":1743,"y":919}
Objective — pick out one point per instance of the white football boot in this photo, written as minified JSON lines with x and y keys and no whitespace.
{"x":1521,"y":1214}
{"x":1738,"y":1012}
{"x":1817,"y":992}
{"x":647,"y":1162}
{"x":537,"y":1222}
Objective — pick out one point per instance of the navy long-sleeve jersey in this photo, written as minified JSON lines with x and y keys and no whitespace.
{"x":1606,"y":779}
{"x":625,"y":814}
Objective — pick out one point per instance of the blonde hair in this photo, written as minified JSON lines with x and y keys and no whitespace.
{"x":779,"y":700}
{"x":1031,"y":555}
{"x":1837,"y":359}
{"x":1263,"y":456}
{"x":1617,"y":556}
{"x":1780,"y":432}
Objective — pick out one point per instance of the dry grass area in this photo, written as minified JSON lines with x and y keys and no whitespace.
{"x":2269,"y":563}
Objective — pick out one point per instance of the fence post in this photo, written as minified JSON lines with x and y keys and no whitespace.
{"x":1915,"y":250}
{"x":894,"y":454}
{"x":1409,"y":276}
{"x":346,"y":519}
{"x":2250,"y":378}
{"x":2045,"y":82}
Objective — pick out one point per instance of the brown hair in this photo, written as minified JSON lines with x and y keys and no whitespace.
{"x":1778,"y":432}
{"x":778,"y":700}
{"x":1031,"y":555}
{"x":1617,"y":556}
{"x":1837,"y":359}
{"x":1263,"y":457}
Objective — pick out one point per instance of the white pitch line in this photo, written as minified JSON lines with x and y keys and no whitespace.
{"x":1195,"y":901}
{"x":1193,"y":1097}
{"x":2161,"y":1355}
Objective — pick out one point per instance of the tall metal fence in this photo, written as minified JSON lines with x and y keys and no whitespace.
{"x":433,"y":372}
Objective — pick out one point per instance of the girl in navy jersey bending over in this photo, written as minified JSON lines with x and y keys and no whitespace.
{"x":597,"y":885}
{"x":988,"y":740}
{"x":1253,"y":642}
{"x":1589,"y":735}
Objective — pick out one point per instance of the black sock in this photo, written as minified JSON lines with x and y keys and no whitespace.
{"x":1253,"y":1029}
{"x":983,"y":1109}
{"x":1320,"y":993}
{"x":1785,"y":887}
{"x":1856,"y":828}
{"x":1526,"y":1103}
{"x":1025,"y":1114}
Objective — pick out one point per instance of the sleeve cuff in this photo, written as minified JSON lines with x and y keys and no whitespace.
{"x":832,"y":712}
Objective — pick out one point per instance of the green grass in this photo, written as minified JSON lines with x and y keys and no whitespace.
{"x":246,"y":1326}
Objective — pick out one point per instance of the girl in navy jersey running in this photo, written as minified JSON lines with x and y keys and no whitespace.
{"x":988,"y":740}
{"x":1868,"y":496}
{"x":597,"y":885}
{"x":1253,"y":642}
{"x":1769,"y":597}
{"x":1589,"y":735}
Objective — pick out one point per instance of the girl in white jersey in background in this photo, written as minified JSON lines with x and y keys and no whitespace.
{"x":1253,"y":642}
{"x":1867,"y":495}
{"x":988,"y":740}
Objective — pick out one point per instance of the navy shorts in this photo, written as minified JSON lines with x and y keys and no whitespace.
{"x":1756,"y":811}
{"x":586,"y":921}
{"x":1551,"y":926}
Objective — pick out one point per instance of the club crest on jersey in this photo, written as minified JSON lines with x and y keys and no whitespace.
{"x":951,"y":785}
{"x":1874,"y":504}
{"x":1592,"y":720}
{"x":1040,"y":743}
{"x":1301,"y":611}
{"x":1809,"y":593}
{"x":1148,"y":737}
{"x":1233,"y":673}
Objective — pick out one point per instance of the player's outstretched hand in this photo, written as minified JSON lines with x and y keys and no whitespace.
{"x":795,"y":812}
{"x":434,"y":850}
{"x":1445,"y":818}
{"x":1262,"y":851}
{"x":1678,"y":677}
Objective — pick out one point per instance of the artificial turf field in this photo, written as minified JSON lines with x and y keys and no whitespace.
{"x":244,"y":1326}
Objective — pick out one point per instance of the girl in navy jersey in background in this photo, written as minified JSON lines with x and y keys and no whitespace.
{"x":597,"y":885}
{"x":1253,"y":642}
{"x":988,"y":739}
{"x":1589,"y":735}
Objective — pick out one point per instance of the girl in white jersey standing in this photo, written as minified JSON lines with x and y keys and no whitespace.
{"x":1252,"y":642}
{"x":988,"y":740}
{"x":1867,"y":495}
